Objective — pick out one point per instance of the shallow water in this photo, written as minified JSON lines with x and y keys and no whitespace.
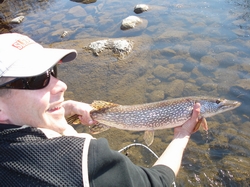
{"x":182,"y":49}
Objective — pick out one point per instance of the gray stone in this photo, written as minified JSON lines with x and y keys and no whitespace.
{"x":130,"y":22}
{"x":199,"y":48}
{"x":175,"y":88}
{"x":140,"y":8}
{"x":226,"y":59}
{"x":162,"y":72}
{"x":120,"y":47}
{"x":156,"y":95}
{"x":17,"y":20}
{"x":78,"y":11}
{"x":209,"y":63}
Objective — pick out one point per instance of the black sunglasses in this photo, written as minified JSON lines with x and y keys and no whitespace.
{"x":31,"y":83}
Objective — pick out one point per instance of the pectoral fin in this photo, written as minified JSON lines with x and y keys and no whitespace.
{"x":202,"y":122}
{"x":73,"y":120}
{"x":98,"y":128}
{"x":148,"y":137}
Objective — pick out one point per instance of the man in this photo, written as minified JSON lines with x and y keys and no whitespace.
{"x":39,"y":148}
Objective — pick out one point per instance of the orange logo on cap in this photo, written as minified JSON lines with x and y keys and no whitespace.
{"x":22,"y":43}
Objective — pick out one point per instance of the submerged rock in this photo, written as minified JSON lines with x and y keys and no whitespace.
{"x":120,"y":47}
{"x":130,"y":22}
{"x":199,"y":49}
{"x":140,"y":8}
{"x":226,"y":59}
{"x":84,"y":1}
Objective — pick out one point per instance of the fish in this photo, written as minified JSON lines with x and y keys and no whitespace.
{"x":153,"y":116}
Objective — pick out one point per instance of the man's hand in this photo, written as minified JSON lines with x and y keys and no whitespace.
{"x":79,"y":108}
{"x":188,"y":127}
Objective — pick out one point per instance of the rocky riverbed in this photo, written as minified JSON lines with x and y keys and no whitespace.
{"x":179,"y":49}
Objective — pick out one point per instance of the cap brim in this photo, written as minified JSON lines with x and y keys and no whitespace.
{"x":38,"y":61}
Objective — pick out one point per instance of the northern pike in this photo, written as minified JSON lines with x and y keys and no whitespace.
{"x":154,"y":116}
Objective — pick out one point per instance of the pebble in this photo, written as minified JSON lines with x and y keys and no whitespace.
{"x":130,"y":22}
{"x":17,"y":20}
{"x":65,"y":33}
{"x":140,"y":8}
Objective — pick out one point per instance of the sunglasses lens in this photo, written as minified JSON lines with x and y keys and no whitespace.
{"x":38,"y":82}
{"x":54,"y":71}
{"x":32,"y":83}
{"x":17,"y":84}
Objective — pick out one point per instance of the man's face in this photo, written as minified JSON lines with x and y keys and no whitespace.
{"x":37,"y":108}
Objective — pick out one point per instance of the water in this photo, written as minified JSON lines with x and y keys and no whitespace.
{"x":184,"y":49}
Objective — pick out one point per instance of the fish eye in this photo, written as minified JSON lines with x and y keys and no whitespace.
{"x":218,"y":101}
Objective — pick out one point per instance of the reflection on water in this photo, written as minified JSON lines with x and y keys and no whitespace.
{"x":187,"y":48}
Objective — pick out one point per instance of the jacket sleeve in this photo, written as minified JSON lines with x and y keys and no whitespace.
{"x":111,"y":168}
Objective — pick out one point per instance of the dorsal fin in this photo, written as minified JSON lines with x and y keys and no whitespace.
{"x":103,"y":105}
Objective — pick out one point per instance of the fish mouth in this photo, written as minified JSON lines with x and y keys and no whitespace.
{"x":229,"y":105}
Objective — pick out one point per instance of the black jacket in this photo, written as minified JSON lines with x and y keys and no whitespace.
{"x":29,"y":158}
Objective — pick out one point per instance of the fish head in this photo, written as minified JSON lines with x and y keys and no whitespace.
{"x":213,"y":106}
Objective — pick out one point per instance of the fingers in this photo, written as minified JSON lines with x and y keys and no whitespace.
{"x":86,"y":119}
{"x":188,"y":127}
{"x":196,"y":112}
{"x":83,"y":110}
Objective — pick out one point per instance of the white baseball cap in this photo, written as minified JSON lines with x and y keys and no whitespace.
{"x":21,"y":56}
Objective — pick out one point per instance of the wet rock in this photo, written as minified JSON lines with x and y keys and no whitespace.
{"x":152,"y":84}
{"x":17,"y":20}
{"x":234,"y":169}
{"x":130,"y":22}
{"x":65,"y":33}
{"x":203,"y":80}
{"x":209,"y":63}
{"x":181,"y":49}
{"x":175,"y":88}
{"x":57,"y":17}
{"x":241,"y":91}
{"x":150,"y":88}
{"x":140,"y":8}
{"x":77,"y":11}
{"x":84,"y":1}
{"x":162,"y":72}
{"x":223,"y":48}
{"x":190,"y":89}
{"x":199,"y":48}
{"x":168,"y":52}
{"x":225,"y":76}
{"x":119,"y":47}
{"x":156,"y":81}
{"x":182,"y":75}
{"x":240,"y":32}
{"x":171,"y":34}
{"x":43,"y":30}
{"x":209,"y":87}
{"x":226,"y":59}
{"x":244,"y":69}
{"x":156,"y":95}
{"x":90,"y":20}
{"x":98,"y":46}
{"x":244,"y":84}
{"x":223,"y":89}
{"x":196,"y":72}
